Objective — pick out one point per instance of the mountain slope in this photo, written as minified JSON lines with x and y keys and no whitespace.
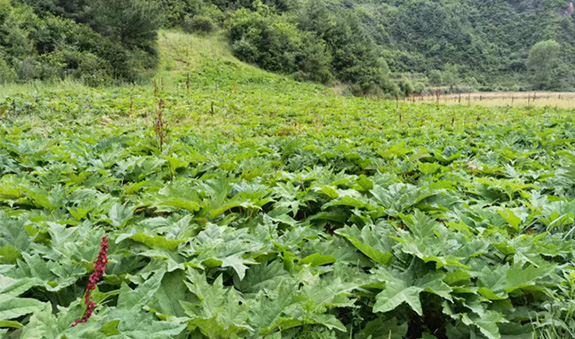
{"x":488,"y":40}
{"x":373,"y":47}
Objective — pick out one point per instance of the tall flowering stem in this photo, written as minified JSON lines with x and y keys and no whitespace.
{"x":160,"y":125}
{"x":99,"y":269}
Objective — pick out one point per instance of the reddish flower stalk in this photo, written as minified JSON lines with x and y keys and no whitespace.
{"x":160,"y":125}
{"x":99,"y":269}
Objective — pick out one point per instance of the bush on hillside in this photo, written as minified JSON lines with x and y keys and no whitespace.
{"x":198,"y":24}
{"x":54,"y":39}
{"x":274,"y":43}
{"x":7,"y":73}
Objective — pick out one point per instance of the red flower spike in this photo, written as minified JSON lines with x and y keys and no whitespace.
{"x":99,"y":269}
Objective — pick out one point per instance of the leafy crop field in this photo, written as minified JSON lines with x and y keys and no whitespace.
{"x":273,"y":209}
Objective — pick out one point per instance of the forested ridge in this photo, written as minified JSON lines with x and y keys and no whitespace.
{"x":385,"y":47}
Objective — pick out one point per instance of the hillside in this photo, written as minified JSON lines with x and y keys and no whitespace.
{"x":381,"y":48}
{"x":487,"y":45}
{"x":487,"y":40}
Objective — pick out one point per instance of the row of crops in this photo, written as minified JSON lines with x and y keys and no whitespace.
{"x":276,"y":211}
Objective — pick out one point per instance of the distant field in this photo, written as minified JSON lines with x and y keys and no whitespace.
{"x":495,"y":99}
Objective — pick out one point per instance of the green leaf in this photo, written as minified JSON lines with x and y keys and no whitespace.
{"x":266,"y":313}
{"x":189,"y":205}
{"x":369,"y":241}
{"x":395,"y":294}
{"x":511,"y":218}
{"x":487,"y":324}
{"x":433,"y":283}
{"x":364,"y":182}
{"x":219,"y":311}
{"x":317,"y":259}
{"x":261,"y":277}
{"x":120,"y":215}
{"x":134,"y":299}
{"x":237,"y":263}
{"x":15,"y":287}
{"x":11,"y":324}
{"x":380,"y":329}
{"x":9,"y":255}
{"x":327,"y":320}
{"x":172,"y":290}
{"x":157,"y":241}
{"x":145,"y":326}
{"x":12,"y":307}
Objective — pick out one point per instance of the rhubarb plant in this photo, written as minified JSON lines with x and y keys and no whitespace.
{"x":240,"y":225}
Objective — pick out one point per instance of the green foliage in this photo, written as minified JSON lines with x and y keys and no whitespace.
{"x":72,"y":9}
{"x":356,"y":45}
{"x":312,"y":45}
{"x":134,"y":23}
{"x":274,"y":43}
{"x":487,"y":41}
{"x":288,"y":212}
{"x":198,"y":24}
{"x":354,"y":61}
{"x":7,"y":74}
{"x":436,"y":77}
{"x":543,"y":62}
{"x":451,"y":75}
{"x":94,"y":43}
{"x":406,"y":87}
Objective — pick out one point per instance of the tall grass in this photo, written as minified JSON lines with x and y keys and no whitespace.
{"x":38,"y":87}
{"x":180,"y":51}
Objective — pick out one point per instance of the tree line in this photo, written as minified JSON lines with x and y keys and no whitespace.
{"x":96,"y":41}
{"x":384,"y":48}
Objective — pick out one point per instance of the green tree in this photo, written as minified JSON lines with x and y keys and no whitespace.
{"x":274,"y":42}
{"x":72,"y":9}
{"x":406,"y":87}
{"x":55,"y":39}
{"x":436,"y":77}
{"x":134,"y":23}
{"x":543,"y":63}
{"x":451,"y":75}
{"x":266,"y":39}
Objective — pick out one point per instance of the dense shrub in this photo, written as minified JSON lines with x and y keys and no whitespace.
{"x":274,"y":43}
{"x":314,"y":45}
{"x":7,"y":73}
{"x":95,"y":42}
{"x":265,"y":39}
{"x":436,"y":77}
{"x":406,"y":87}
{"x":198,"y":24}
